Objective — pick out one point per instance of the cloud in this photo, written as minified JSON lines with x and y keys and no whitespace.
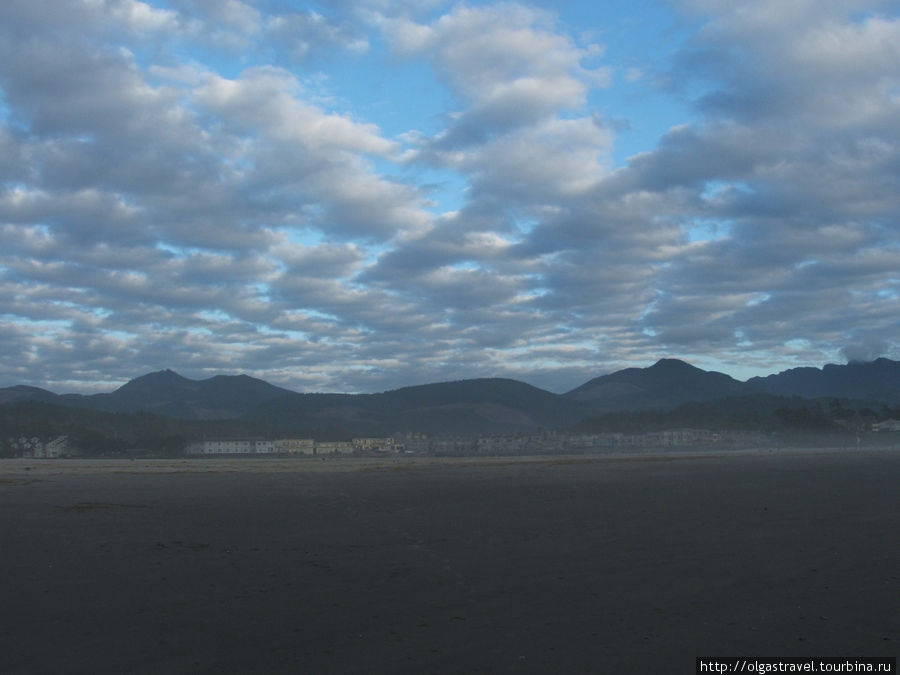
{"x":796,"y":163}
{"x":308,"y":35}
{"x":140,"y":16}
{"x":508,"y":64}
{"x":863,"y":352}
{"x":315,"y":161}
{"x":829,"y":64}
{"x":187,"y":185}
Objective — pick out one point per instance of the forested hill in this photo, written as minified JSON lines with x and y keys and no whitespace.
{"x":666,"y":394}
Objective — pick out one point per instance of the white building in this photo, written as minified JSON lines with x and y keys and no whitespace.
{"x":887,"y":425}
{"x":58,"y":447}
{"x":53,"y":449}
{"x":232,"y":447}
{"x":32,"y":446}
{"x":334,"y":448}
{"x":374,"y":444}
{"x":295,"y":446}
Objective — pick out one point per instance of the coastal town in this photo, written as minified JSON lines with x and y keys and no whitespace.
{"x":545,"y":442}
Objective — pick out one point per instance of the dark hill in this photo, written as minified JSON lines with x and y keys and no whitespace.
{"x":465,"y":407}
{"x":498,"y":401}
{"x":877,"y":380}
{"x":22,"y":392}
{"x":167,"y":393}
{"x":667,"y":383}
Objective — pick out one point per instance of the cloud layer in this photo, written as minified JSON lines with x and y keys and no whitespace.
{"x":202,"y":186}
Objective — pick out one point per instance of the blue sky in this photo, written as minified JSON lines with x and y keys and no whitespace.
{"x":357,"y":196}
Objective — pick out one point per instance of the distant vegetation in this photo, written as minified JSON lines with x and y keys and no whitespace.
{"x":749,"y":413}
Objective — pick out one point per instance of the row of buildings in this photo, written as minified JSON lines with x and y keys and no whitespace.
{"x":291,"y":446}
{"x":544,"y":442}
{"x":556,"y":442}
{"x":32,"y":446}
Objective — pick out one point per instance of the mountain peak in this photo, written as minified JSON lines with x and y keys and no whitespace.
{"x":167,"y":377}
{"x":672,"y":364}
{"x":666,"y":383}
{"x":166,"y":374}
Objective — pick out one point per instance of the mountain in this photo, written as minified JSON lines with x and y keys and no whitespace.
{"x":465,"y":407}
{"x":667,"y":383}
{"x":877,"y":380}
{"x":22,"y":392}
{"x":167,"y":393}
{"x":476,"y":406}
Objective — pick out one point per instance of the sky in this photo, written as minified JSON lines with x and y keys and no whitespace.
{"x":357,"y":196}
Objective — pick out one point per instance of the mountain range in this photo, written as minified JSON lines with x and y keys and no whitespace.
{"x":465,"y":407}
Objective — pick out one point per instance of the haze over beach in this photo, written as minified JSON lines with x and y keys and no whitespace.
{"x":359,"y":196}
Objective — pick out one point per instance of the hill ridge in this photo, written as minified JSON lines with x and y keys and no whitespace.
{"x":485,"y":403}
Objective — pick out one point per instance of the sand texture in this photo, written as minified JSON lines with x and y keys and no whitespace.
{"x":579,"y":565}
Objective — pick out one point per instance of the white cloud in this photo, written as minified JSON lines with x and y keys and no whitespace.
{"x":506,"y":62}
{"x":266,"y":99}
{"x":177,"y":191}
{"x":139,"y":16}
{"x":307,"y":35}
{"x":226,"y":24}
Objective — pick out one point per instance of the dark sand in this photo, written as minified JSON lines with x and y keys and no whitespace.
{"x":603,"y":564}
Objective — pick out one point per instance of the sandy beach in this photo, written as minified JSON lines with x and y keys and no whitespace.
{"x":632,"y":564}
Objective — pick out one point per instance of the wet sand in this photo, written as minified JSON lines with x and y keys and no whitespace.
{"x":582,"y":564}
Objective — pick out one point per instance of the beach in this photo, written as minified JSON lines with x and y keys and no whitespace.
{"x":620,"y":563}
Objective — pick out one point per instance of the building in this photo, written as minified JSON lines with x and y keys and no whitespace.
{"x":282,"y":446}
{"x":58,"y":447}
{"x":295,"y":446}
{"x":670,"y":437}
{"x":232,"y":447}
{"x":32,"y":446}
{"x":886,"y":425}
{"x":369,"y":445}
{"x":334,"y":448}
